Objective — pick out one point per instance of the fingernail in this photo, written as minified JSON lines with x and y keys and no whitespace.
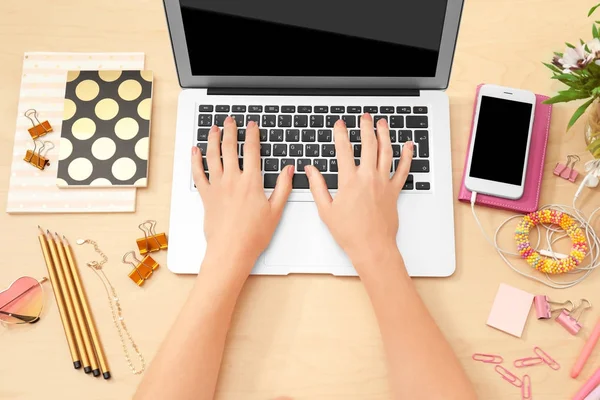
{"x":194,"y":150}
{"x":382,"y":121}
{"x":291,"y":171}
{"x":214,"y":128}
{"x":307,"y":170}
{"x":251,"y":124}
{"x":410,"y":144}
{"x":341,"y":122}
{"x":228,"y":119}
{"x":367,"y":116}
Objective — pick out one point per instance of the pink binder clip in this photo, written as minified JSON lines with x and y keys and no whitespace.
{"x":508,"y":376}
{"x":570,"y":323}
{"x":526,"y":388}
{"x":567,"y":171}
{"x":528,"y":362}
{"x":544,"y":310}
{"x":546,"y":358}
{"x":487,"y":358}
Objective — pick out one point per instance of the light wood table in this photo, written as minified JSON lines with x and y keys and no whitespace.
{"x":307,"y":337}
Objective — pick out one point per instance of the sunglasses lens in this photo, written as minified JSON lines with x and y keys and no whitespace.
{"x":22,"y":302}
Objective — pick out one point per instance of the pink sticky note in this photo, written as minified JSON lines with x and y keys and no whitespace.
{"x":510,"y":310}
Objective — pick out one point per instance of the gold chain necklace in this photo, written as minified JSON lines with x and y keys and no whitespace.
{"x":115,"y":307}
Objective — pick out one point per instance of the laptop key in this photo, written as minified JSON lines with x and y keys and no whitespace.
{"x":241,"y":163}
{"x":284,"y":121}
{"x":255,"y":109}
{"x":333,"y":166}
{"x":287,"y":161}
{"x":222,"y":109}
{"x":203,"y":134}
{"x":204,"y":163}
{"x":316,"y":121}
{"x":205,"y":120}
{"x":239,"y":109}
{"x":357,"y":161}
{"x":312,"y":150}
{"x":271,"y":164}
{"x":253,"y":117}
{"x":386,"y":109}
{"x":263,"y":135}
{"x":355,"y":136}
{"x":276,"y":135}
{"x":353,"y":110}
{"x":309,"y":135}
{"x":296,"y":150}
{"x":328,"y":150}
{"x":371,"y":109}
{"x":270,"y":180}
{"x":305,"y":109}
{"x":265,"y":150}
{"x":419,"y":166}
{"x":203,"y":147}
{"x":301,"y":163}
{"x":408,"y":186}
{"x":320,"y":164}
{"x":350,"y":120}
{"x":396,"y":151}
{"x":272,"y":109}
{"x":300,"y":121}
{"x":338,"y":109}
{"x":330,"y":120}
{"x":414,"y":121}
{"x":241,"y":152}
{"x":292,"y":135}
{"x":420,"y":110}
{"x":321,"y":109}
{"x":241,"y":135}
{"x":280,"y":150}
{"x":220,"y":119}
{"x":404,"y":136}
{"x":324,"y":135}
{"x":378,"y":117}
{"x":392,"y":136}
{"x":239,"y":119}
{"x":402,"y":110}
{"x":423,"y":186}
{"x":357,"y":150}
{"x":422,"y":138}
{"x":206,"y":108}
{"x":269,"y":121}
{"x":396,"y":121}
{"x":288,"y":109}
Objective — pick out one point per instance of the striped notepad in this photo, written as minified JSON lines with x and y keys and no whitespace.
{"x":43,"y":88}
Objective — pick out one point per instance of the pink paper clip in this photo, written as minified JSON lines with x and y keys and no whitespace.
{"x":487,"y":358}
{"x":508,"y":376}
{"x":571,"y":324}
{"x":526,"y":388}
{"x":567,"y":171}
{"x":543,"y":309}
{"x":528,"y":362}
{"x":546,"y":358}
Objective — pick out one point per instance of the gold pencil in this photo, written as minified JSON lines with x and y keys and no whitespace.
{"x":60,"y":301}
{"x":69,"y":304}
{"x":86,"y":310}
{"x":87,"y":344}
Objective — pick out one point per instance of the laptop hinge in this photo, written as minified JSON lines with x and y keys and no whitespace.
{"x":310,"y":92}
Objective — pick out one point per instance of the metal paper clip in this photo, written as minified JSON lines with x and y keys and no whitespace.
{"x":151,"y":241}
{"x":487,"y":358}
{"x":570,"y":323}
{"x":37,"y":157}
{"x":508,"y":376}
{"x":528,"y":362}
{"x":543,"y":310}
{"x":39,"y":128}
{"x":546,"y":358}
{"x":526,"y":388}
{"x":567,"y":171}
{"x":142,"y":270}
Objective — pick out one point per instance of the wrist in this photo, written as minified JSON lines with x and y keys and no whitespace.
{"x":227,"y":266}
{"x":382,"y":264}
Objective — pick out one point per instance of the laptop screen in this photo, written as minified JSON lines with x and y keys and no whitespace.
{"x":338,"y":38}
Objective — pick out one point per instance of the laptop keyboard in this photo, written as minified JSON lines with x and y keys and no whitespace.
{"x":303,"y":135}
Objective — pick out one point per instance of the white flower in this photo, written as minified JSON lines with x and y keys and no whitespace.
{"x":575,"y":59}
{"x":594,"y":47}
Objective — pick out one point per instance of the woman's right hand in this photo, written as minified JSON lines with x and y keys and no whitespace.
{"x":363,"y":216}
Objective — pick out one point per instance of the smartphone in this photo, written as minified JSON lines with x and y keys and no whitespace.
{"x":500,"y":144}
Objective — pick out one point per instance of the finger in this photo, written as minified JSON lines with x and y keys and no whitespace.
{"x":230,"y":158}
{"x":384,"y":153}
{"x":368,"y":157}
{"x":403,"y":169}
{"x":252,"y":149}
{"x":213,"y":153}
{"x":318,"y":188}
{"x":343,"y":148}
{"x":198,"y":174}
{"x":282,"y":191}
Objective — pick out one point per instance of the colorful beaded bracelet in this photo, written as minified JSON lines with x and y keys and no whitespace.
{"x":546,"y":264}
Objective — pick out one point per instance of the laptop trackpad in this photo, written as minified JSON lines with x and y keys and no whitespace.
{"x":303,"y":240}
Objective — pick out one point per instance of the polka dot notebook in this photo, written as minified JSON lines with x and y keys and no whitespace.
{"x":106,"y":129}
{"x":43,"y":83}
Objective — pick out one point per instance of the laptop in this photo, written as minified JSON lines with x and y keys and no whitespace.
{"x":296,"y":67}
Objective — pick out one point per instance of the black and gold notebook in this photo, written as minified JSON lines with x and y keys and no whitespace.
{"x":105,"y":139}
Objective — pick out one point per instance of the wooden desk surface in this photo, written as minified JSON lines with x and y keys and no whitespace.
{"x":308,"y":337}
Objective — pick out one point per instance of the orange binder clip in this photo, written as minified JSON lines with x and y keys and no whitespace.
{"x":36,"y":157}
{"x":151,"y":241}
{"x":142,"y":270}
{"x":39,"y":128}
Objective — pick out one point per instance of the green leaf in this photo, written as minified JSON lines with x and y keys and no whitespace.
{"x":593,"y":9}
{"x":566,"y":77}
{"x":569,"y":45}
{"x":566,"y":96}
{"x":594,"y":33}
{"x":553,"y":67}
{"x":581,"y":42}
{"x":558,"y":54}
{"x":579,"y":112}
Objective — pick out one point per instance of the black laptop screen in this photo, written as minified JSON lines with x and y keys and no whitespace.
{"x":374,"y":38}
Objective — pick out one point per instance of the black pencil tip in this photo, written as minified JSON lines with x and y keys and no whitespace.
{"x":106,"y":375}
{"x":87,"y":370}
{"x":77,"y":364}
{"x":96,"y":372}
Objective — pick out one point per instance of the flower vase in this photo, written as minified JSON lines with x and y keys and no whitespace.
{"x":592,"y":129}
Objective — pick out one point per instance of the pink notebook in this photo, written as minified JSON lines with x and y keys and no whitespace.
{"x":535,"y":166}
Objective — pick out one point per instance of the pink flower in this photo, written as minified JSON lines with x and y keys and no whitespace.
{"x":573,"y":59}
